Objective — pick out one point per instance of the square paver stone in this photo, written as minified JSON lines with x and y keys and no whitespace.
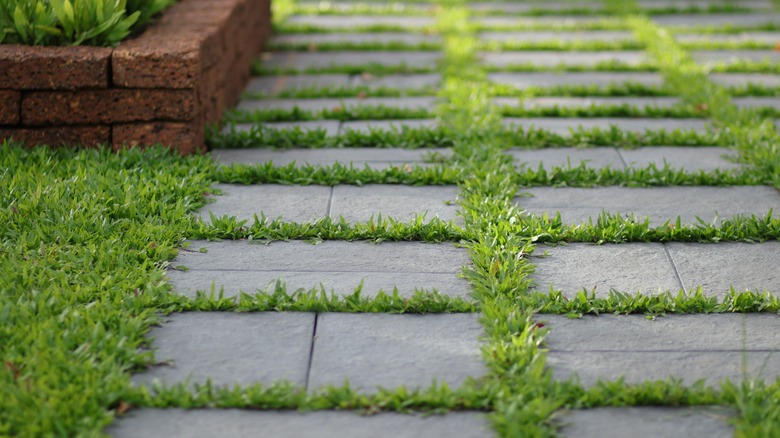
{"x":403,"y":203}
{"x":380,"y":350}
{"x":659,"y":204}
{"x":273,"y":85}
{"x":291,"y":203}
{"x":628,"y":268}
{"x":565,"y":125}
{"x":648,"y":422}
{"x":692,"y":159}
{"x":718,"y":267}
{"x":531,"y":159}
{"x":231,"y":348}
{"x":688,"y":347}
{"x":375,"y":158}
{"x":305,"y":60}
{"x":236,"y":423}
{"x":335,"y":265}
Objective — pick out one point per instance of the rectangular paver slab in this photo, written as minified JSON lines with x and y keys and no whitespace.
{"x":544,"y":36}
{"x":375,"y":158}
{"x":379,"y":350}
{"x":273,"y":85}
{"x":709,"y":57}
{"x":688,"y":347}
{"x":585,"y":102}
{"x":660,"y":204}
{"x":336,"y":265}
{"x":384,"y":37}
{"x":504,"y":21}
{"x":304,"y":60}
{"x":398,"y":81}
{"x":564,"y":126}
{"x":360,"y":204}
{"x":332,"y":104}
{"x":386,"y":125}
{"x":763,"y":37}
{"x":231,"y":348}
{"x":331,"y":127}
{"x":734,"y":19}
{"x":291,"y":203}
{"x":352,"y":21}
{"x":558,"y":58}
{"x":235,"y":423}
{"x":718,"y":267}
{"x":742,"y":79}
{"x":531,"y":159}
{"x":692,"y":159}
{"x":551,"y":79}
{"x":648,"y":422}
{"x":627,"y":268}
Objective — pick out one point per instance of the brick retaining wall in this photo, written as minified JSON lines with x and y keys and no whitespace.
{"x":163,"y":86}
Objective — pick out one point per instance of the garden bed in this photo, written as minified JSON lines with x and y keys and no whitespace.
{"x":164,"y":86}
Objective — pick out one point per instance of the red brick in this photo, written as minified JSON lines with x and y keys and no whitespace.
{"x":149,"y":62}
{"x":187,"y":138}
{"x":53,"y":68}
{"x":10,"y":101}
{"x":60,"y":135}
{"x":46,"y":108}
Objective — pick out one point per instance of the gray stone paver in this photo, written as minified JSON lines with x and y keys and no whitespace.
{"x":337,"y":266}
{"x":564,"y":126}
{"x":626,"y":268}
{"x":648,"y":422}
{"x":709,"y":57}
{"x":692,"y":159}
{"x":752,"y":4}
{"x":375,"y":158}
{"x":425,"y":102}
{"x":235,"y":423}
{"x":359,"y":204}
{"x":331,"y":127}
{"x":399,"y":125}
{"x":231,"y":348}
{"x":563,"y":157}
{"x":689,"y":347}
{"x":735,"y":19}
{"x":531,"y":21}
{"x":558,"y":58}
{"x":530,"y":6}
{"x":379,"y":350}
{"x":304,"y":60}
{"x":550,"y":79}
{"x":764,"y":37}
{"x":352,"y":21}
{"x":398,"y":81}
{"x":639,"y":102}
{"x":717,"y":268}
{"x":658,"y":203}
{"x":273,"y":85}
{"x":291,"y":203}
{"x":539,"y":36}
{"x":742,"y":79}
{"x":384,"y":37}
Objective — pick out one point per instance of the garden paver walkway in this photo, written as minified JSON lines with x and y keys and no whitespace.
{"x":375,"y":158}
{"x":336,"y":265}
{"x":648,"y":422}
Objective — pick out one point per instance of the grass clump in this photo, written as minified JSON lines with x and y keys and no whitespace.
{"x":74,"y":23}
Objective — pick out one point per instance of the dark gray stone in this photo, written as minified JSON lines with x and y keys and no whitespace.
{"x":331,"y":127}
{"x":386,"y":125}
{"x":375,"y":158}
{"x":559,"y":58}
{"x":304,"y":60}
{"x":291,"y":203}
{"x":692,"y":159}
{"x":231,"y":348}
{"x":564,"y":126}
{"x":687,"y":347}
{"x":648,"y":422}
{"x":400,"y":81}
{"x":235,"y":423}
{"x":551,"y":79}
{"x":273,"y":85}
{"x":563,"y":157}
{"x":716,"y":268}
{"x":346,"y":103}
{"x":337,"y":266}
{"x":360,"y":204}
{"x":379,"y":350}
{"x":384,"y":37}
{"x":734,"y":19}
{"x":544,"y":36}
{"x":353,"y":21}
{"x":627,"y":268}
{"x":659,"y":203}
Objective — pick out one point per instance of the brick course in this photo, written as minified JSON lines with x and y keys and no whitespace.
{"x":163,"y":86}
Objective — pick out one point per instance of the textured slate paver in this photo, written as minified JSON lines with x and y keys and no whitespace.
{"x":379,"y":350}
{"x":551,"y":79}
{"x":399,"y":81}
{"x":346,"y":103}
{"x":292,"y":203}
{"x":659,"y":203}
{"x":648,"y":422}
{"x":336,"y":265}
{"x":735,"y":19}
{"x":689,"y":347}
{"x":235,"y":423}
{"x":331,"y":127}
{"x":375,"y":158}
{"x":368,"y":125}
{"x":304,"y":60}
{"x":718,"y":267}
{"x":564,"y":126}
{"x":232,"y":348}
{"x":556,"y":58}
{"x":384,"y":37}
{"x":626,"y":268}
{"x":563,"y":157}
{"x":538,"y":36}
{"x":352,"y":21}
{"x":272,"y":85}
{"x":692,"y":159}
{"x":358,"y":204}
